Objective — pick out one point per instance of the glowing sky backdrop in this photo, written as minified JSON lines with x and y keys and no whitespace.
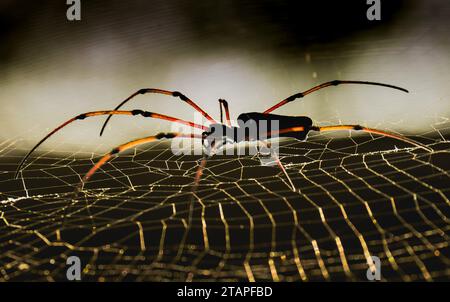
{"x":252,"y":53}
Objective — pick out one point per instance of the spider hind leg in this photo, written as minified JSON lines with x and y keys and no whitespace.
{"x":373,"y":131}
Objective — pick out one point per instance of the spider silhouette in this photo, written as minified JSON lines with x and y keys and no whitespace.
{"x":296,"y":127}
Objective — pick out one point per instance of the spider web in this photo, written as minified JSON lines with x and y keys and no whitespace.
{"x":358,"y":196}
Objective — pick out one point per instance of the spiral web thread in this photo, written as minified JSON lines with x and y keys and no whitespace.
{"x":358,"y":196}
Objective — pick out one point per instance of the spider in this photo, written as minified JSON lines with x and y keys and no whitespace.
{"x":296,"y":127}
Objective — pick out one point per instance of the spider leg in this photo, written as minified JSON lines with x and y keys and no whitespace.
{"x":107,"y":112}
{"x":274,"y":155}
{"x":211,"y":152}
{"x":199,"y":173}
{"x":224,"y":104}
{"x":114,"y":152}
{"x":373,"y":131}
{"x":160,"y":91}
{"x":206,"y":155}
{"x":351,"y":127}
{"x":327,"y":84}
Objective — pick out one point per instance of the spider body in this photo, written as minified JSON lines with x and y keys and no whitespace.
{"x":252,"y":126}
{"x":256,"y":126}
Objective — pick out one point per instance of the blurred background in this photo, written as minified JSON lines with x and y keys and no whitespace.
{"x":252,"y":53}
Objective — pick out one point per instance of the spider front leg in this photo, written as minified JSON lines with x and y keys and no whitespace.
{"x":134,"y":143}
{"x":107,"y":112}
{"x":210,"y":151}
{"x":165,"y":92}
{"x":115,"y":152}
{"x":224,"y":104}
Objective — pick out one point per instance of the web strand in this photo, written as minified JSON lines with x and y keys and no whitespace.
{"x":356,"y":196}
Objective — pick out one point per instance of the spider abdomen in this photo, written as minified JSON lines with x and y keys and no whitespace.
{"x":277,"y":125}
